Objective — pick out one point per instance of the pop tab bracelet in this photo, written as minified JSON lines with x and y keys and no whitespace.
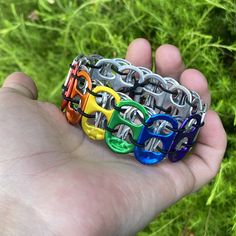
{"x":132,"y":108}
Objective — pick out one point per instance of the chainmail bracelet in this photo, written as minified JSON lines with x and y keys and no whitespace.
{"x":133,"y":109}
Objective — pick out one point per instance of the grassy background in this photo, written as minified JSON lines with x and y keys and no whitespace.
{"x":42,"y":37}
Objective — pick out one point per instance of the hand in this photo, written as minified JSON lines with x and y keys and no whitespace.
{"x":55,"y":181}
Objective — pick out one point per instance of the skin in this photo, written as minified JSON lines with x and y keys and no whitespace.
{"x":55,"y":181}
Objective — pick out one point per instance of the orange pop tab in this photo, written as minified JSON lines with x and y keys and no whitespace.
{"x":92,"y":106}
{"x":79,"y":95}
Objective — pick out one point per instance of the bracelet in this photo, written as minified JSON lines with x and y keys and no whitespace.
{"x":133,"y":109}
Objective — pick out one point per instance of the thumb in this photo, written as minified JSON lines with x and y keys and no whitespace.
{"x":22,"y":84}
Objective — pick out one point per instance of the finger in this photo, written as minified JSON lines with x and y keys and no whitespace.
{"x":168,"y":61}
{"x":209,"y":151}
{"x":22,"y":84}
{"x":196,"y":81}
{"x":139,"y":53}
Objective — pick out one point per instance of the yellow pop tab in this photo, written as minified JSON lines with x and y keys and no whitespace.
{"x":92,"y":106}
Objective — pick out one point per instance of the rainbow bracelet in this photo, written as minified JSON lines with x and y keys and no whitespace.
{"x":133,"y":109}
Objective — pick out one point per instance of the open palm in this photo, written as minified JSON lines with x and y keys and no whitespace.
{"x":55,"y":181}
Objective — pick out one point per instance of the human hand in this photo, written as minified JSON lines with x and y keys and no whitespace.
{"x":55,"y":181}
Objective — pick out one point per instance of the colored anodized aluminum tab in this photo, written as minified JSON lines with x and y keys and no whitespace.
{"x":68,"y":85}
{"x":148,"y":133}
{"x":119,"y":145}
{"x":92,"y":131}
{"x":79,"y":93}
{"x":183,"y":136}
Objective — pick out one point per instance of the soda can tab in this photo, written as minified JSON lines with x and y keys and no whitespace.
{"x":98,"y":105}
{"x":159,"y":135}
{"x":127,"y":121}
{"x":68,"y":85}
{"x":78,"y":97}
{"x":185,"y":138}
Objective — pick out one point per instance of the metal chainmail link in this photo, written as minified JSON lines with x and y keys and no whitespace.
{"x":132,"y":108}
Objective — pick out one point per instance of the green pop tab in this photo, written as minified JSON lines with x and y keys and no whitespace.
{"x":115,"y":143}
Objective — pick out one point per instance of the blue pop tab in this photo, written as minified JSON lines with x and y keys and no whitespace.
{"x":148,"y":132}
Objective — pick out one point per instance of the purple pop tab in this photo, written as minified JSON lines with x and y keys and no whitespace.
{"x":184,"y":140}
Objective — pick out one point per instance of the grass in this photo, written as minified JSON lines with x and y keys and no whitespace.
{"x":42,"y":37}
